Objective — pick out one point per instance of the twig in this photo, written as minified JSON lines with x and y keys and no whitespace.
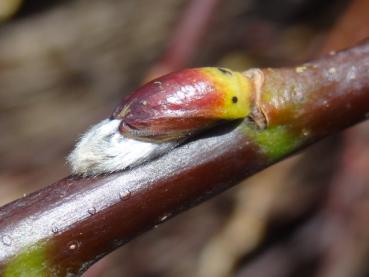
{"x":187,"y":37}
{"x":67,"y":226}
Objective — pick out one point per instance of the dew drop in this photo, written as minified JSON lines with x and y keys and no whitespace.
{"x":305,"y":132}
{"x":352,"y":74}
{"x":125,"y":194}
{"x":54,"y":229}
{"x":300,"y":69}
{"x":332,"y":70}
{"x":164,"y":217}
{"x":92,"y":211}
{"x":325,"y":103}
{"x":7,"y":241}
{"x":73,"y":245}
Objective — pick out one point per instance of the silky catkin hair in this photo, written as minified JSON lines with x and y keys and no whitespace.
{"x":102,"y":149}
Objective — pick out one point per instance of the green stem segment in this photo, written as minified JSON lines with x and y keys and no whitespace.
{"x":67,"y":226}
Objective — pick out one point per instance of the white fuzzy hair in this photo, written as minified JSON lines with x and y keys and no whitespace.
{"x":102,"y":149}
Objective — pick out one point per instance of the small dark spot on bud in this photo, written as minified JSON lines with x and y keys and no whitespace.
{"x":234,"y":99}
{"x":224,"y":71}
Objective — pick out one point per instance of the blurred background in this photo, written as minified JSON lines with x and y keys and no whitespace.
{"x":64,"y":65}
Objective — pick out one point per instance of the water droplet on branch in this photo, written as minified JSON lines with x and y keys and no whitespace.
{"x":7,"y":241}
{"x":125,"y":194}
{"x":92,"y":211}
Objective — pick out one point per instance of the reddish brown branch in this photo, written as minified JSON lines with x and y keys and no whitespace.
{"x":76,"y":221}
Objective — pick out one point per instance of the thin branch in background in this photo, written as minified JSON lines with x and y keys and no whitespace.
{"x":186,"y":38}
{"x":8,"y":8}
{"x":66,"y":227}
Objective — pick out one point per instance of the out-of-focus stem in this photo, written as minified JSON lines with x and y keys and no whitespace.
{"x":187,"y":37}
{"x":8,"y":8}
{"x":67,"y":226}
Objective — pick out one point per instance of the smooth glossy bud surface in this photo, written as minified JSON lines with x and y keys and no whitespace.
{"x":184,"y":102}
